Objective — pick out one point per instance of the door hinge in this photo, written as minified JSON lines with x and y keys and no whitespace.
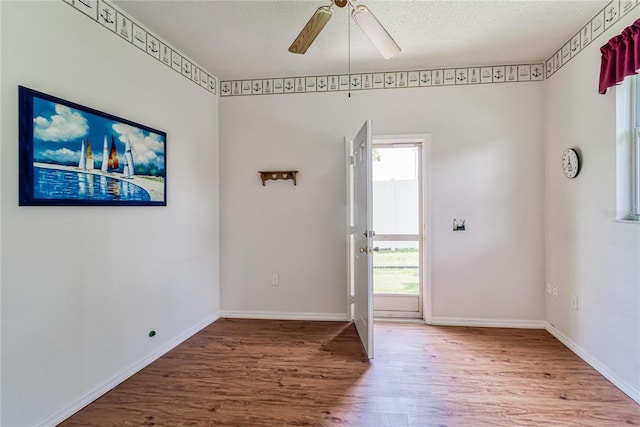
{"x":353,"y":299}
{"x":352,"y":230}
{"x":351,"y":160}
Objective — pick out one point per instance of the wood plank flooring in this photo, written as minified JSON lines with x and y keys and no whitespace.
{"x":290,"y":373}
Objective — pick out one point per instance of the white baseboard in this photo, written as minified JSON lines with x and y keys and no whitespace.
{"x":101,"y":389}
{"x":487,"y":323}
{"x":626,"y":388}
{"x":415,"y":321}
{"x":279,"y":315}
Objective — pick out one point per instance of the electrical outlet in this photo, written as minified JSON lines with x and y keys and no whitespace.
{"x":555,"y":291}
{"x":574,"y":302}
{"x":275,"y":280}
{"x":549,"y":288}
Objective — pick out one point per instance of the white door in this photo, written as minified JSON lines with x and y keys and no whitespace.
{"x":363,"y":237}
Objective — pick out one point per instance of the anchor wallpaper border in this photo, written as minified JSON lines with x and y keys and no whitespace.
{"x":385,"y":80}
{"x":603,"y":20}
{"x":119,"y":23}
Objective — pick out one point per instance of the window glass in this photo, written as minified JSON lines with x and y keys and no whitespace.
{"x":628,"y":149}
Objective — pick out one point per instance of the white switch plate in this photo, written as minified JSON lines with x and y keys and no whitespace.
{"x":555,"y":291}
{"x":275,"y":280}
{"x":574,"y":302}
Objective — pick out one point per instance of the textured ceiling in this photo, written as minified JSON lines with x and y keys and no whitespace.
{"x":249,"y":39}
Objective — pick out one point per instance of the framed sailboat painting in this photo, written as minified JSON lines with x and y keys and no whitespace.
{"x":75,"y":155}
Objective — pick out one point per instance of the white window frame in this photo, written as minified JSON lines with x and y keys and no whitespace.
{"x":628,"y":150}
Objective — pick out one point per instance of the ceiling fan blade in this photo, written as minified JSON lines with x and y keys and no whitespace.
{"x":375,"y":31}
{"x":311,"y":30}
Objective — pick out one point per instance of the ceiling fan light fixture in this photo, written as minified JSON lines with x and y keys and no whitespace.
{"x":374,"y":30}
{"x":311,"y":30}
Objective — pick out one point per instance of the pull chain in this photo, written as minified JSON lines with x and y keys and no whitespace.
{"x":349,"y":48}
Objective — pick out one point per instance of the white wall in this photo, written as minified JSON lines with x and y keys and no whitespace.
{"x":487,"y":164}
{"x":588,"y":254}
{"x":82,"y":286}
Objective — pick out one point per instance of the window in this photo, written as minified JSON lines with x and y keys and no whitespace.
{"x":628,"y":149}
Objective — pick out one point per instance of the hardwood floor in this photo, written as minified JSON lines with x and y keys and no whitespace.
{"x":290,"y":373}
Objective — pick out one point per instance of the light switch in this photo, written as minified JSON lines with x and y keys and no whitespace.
{"x":458,"y":224}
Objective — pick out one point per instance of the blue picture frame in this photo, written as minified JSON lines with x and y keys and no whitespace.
{"x":72,"y":155}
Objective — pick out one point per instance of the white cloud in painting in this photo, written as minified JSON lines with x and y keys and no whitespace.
{"x":144,"y":148}
{"x":63,"y":155}
{"x":65,"y":125}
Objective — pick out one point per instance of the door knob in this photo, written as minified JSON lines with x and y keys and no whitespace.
{"x":366,"y":250}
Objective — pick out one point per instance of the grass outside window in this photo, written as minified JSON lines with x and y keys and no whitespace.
{"x":396,"y":271}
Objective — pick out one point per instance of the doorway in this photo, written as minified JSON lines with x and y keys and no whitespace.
{"x":398,"y":200}
{"x":399,"y":249}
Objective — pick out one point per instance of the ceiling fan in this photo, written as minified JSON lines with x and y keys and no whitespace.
{"x":367,"y":22}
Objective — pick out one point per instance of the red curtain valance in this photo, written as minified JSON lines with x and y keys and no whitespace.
{"x":620,"y":57}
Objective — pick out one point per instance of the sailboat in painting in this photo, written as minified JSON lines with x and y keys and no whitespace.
{"x":82,"y":164}
{"x":89,"y":156}
{"x":105,"y":155}
{"x":86,"y":156}
{"x":128,"y":161}
{"x":113,"y":164}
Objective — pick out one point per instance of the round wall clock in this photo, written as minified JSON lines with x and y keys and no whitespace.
{"x":570,"y":163}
